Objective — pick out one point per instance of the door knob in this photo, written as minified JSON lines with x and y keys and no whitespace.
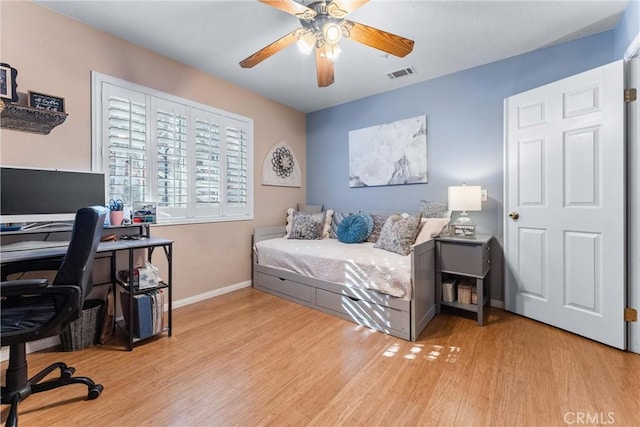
{"x":514,"y":215}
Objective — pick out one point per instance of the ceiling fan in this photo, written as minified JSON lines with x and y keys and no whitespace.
{"x":323,"y":25}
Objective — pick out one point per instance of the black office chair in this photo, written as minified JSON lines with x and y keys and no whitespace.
{"x":33,"y":309}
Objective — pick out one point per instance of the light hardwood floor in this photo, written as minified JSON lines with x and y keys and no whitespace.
{"x":248,"y":358}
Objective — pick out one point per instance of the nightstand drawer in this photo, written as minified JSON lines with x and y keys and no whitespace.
{"x":471,"y":259}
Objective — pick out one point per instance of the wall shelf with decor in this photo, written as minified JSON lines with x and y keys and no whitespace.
{"x":29,"y":119}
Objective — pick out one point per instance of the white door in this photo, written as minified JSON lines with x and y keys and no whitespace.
{"x":565,"y":183}
{"x":633,"y":143}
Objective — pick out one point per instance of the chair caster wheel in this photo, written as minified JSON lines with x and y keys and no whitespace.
{"x":94,"y":392}
{"x":68,"y":372}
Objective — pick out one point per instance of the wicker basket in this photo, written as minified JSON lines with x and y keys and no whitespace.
{"x":464,"y":293}
{"x":83,"y":332}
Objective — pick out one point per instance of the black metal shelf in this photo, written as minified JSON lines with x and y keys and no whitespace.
{"x":125,"y":287}
{"x":147,"y":244}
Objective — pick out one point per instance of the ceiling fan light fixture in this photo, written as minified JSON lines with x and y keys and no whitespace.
{"x":331,"y":32}
{"x":306,"y":42}
{"x":323,"y":25}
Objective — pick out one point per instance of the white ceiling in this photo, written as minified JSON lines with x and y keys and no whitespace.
{"x":450,"y":35}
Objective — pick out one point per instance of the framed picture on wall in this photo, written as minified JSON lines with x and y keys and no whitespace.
{"x":8,"y":84}
{"x":389,"y":154}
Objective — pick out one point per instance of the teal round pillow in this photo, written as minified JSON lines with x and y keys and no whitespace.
{"x":368,"y":219}
{"x":353,"y":229}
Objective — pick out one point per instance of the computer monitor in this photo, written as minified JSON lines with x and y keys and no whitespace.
{"x":44,"y":195}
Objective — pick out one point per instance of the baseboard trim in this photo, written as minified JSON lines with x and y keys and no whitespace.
{"x":54,"y":341}
{"x":496,"y":303}
{"x":211,"y":294}
{"x":32,"y":346}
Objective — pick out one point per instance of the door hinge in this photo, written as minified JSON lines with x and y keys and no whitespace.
{"x":630,"y":315}
{"x":630,"y":95}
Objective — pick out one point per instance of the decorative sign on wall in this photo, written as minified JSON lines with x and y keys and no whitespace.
{"x":8,"y":84}
{"x":280,"y":166}
{"x":390,"y":154}
{"x":46,"y":102}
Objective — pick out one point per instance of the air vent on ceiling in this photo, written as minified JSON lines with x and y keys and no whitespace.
{"x":401,"y":73}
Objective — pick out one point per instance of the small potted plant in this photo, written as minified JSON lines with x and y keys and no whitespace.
{"x":116,"y":211}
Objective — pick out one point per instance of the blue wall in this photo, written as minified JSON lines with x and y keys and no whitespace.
{"x":627,"y":29}
{"x":464,"y":124}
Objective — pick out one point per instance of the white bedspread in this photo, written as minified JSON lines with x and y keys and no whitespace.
{"x":358,"y":265}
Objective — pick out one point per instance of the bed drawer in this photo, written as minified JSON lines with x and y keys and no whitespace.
{"x":286,"y":287}
{"x":366,"y":311}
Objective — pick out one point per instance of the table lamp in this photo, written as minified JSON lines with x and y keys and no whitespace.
{"x":465,"y":198}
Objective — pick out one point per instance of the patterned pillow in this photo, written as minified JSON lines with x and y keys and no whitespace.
{"x":307,"y":226}
{"x":434,"y":209}
{"x":353,"y":229}
{"x":378,"y":223}
{"x":399,"y":233}
{"x":326,"y":227}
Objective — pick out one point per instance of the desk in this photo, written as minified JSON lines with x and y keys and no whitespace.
{"x":110,"y":249}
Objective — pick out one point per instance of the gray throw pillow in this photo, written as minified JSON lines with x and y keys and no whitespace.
{"x":398,"y":233}
{"x":307,"y":226}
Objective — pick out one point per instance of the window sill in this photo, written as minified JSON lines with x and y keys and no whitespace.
{"x":190,"y":221}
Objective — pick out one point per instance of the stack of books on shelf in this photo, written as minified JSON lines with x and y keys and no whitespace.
{"x":148,"y":312}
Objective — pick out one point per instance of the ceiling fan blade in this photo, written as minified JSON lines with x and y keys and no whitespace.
{"x":267,"y":51}
{"x":340,"y":8}
{"x":291,"y":7}
{"x":379,"y":39}
{"x":324,"y":68}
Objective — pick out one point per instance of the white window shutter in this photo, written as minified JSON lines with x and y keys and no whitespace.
{"x":237,"y":178}
{"x":206,"y":167}
{"x":126,"y":136}
{"x":171,"y":170}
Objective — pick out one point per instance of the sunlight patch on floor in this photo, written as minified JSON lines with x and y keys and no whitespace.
{"x":449,"y":354}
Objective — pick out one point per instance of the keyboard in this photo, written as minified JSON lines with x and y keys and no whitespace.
{"x":29,"y":245}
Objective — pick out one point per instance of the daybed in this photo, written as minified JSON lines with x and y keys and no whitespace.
{"x":356,"y":282}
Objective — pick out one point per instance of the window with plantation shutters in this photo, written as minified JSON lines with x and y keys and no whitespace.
{"x":192,"y":160}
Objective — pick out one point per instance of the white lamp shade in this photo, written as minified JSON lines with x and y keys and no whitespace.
{"x":465,"y":198}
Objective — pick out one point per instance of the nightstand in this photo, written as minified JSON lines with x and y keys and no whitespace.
{"x":464,"y":258}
